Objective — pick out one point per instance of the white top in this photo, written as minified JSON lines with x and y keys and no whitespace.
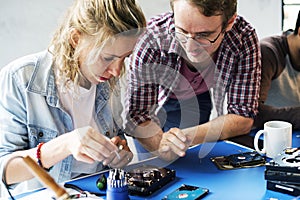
{"x":285,"y":90}
{"x":80,"y":104}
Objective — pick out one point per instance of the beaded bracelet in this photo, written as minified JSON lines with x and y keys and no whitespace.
{"x":38,"y":156}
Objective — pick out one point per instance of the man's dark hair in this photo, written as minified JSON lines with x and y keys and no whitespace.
{"x":297,"y":24}
{"x":227,"y":8}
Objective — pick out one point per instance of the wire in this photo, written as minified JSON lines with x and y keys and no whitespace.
{"x":78,"y":189}
{"x":4,"y":175}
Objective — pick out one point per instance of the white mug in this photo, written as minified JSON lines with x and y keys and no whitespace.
{"x":277,"y":137}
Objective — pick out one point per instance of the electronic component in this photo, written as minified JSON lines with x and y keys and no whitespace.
{"x":240,"y":160}
{"x":284,"y":187}
{"x":283,"y":172}
{"x":145,"y":180}
{"x":187,"y":192}
{"x":285,"y":167}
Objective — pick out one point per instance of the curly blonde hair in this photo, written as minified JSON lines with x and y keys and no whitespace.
{"x":96,"y":19}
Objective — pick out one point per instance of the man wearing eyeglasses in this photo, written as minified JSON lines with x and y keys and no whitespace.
{"x":201,"y":45}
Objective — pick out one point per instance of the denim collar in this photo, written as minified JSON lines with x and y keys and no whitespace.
{"x":47,"y":87}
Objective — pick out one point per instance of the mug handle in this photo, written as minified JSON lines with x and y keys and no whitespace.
{"x":257,"y":135}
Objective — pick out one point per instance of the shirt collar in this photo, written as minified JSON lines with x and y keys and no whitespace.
{"x":38,"y":82}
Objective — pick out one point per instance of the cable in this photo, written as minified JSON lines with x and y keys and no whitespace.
{"x":4,"y":176}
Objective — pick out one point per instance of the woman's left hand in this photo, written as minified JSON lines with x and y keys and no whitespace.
{"x":120,"y":158}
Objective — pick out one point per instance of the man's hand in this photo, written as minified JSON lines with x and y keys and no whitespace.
{"x":173,"y":144}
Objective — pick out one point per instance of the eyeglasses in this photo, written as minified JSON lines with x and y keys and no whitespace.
{"x":199,"y":39}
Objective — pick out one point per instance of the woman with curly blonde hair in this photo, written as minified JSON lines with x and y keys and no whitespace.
{"x":54,"y":104}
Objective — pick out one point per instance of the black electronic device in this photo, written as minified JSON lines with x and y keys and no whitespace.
{"x":289,"y":158}
{"x":289,"y":175}
{"x":284,"y":187}
{"x":283,"y":172}
{"x":240,"y":160}
{"x":145,"y":180}
{"x":285,"y":167}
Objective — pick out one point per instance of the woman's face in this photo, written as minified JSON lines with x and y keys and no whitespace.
{"x":100,"y":65}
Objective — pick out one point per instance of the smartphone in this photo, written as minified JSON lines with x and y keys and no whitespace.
{"x":187,"y":192}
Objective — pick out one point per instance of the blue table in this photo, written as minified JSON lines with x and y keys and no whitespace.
{"x":197,"y":169}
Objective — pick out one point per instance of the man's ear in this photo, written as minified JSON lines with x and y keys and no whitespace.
{"x":74,"y":38}
{"x":230,"y":22}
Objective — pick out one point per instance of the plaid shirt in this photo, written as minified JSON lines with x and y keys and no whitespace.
{"x":156,"y":61}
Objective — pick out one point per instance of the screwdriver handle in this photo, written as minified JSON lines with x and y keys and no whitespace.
{"x":45,"y":178}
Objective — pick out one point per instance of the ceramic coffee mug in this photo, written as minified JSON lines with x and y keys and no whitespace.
{"x":277,"y":137}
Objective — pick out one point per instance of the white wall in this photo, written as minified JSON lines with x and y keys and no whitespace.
{"x":264,"y":15}
{"x":26,"y":26}
{"x":154,"y":7}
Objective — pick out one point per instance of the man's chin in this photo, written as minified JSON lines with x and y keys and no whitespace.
{"x":198,"y":59}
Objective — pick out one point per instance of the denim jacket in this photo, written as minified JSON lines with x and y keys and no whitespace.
{"x":31,"y":112}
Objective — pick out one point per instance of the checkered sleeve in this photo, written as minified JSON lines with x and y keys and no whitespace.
{"x":243,"y":91}
{"x":142,"y":90}
{"x":152,"y":71}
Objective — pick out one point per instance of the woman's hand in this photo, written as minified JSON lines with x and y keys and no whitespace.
{"x":87,"y":145}
{"x":122,"y":156}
